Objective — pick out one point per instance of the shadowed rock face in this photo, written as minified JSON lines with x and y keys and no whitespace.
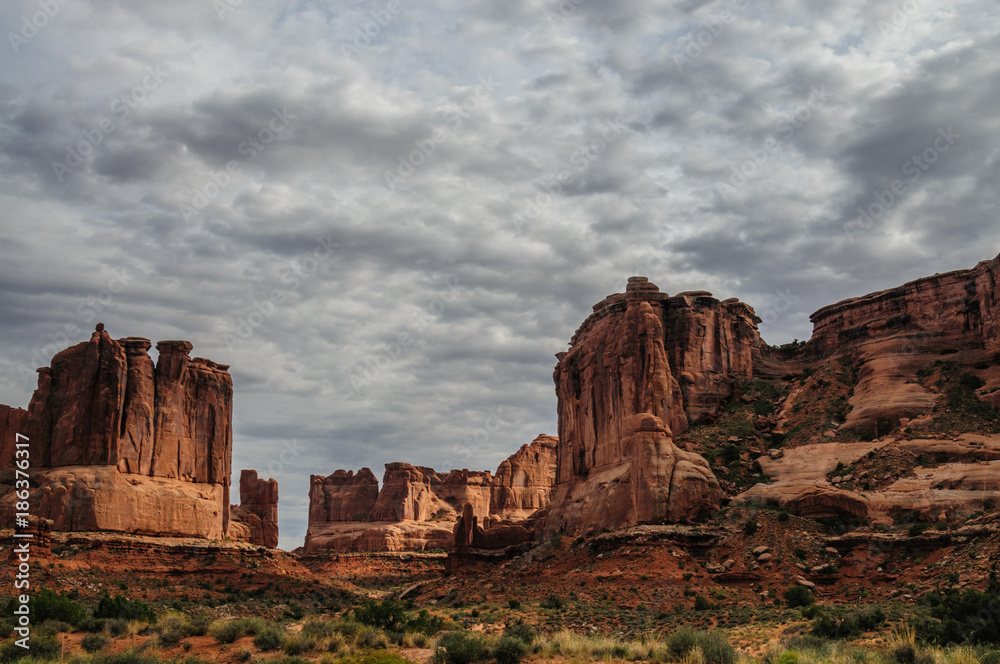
{"x":621,"y":400}
{"x":102,"y":403}
{"x":257,"y":512}
{"x":417,"y":508}
{"x":523,"y":483}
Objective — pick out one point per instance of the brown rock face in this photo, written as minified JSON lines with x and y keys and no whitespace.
{"x":342,"y":496}
{"x":415,"y":493}
{"x":12,"y":421}
{"x":107,"y":418}
{"x":620,"y":403}
{"x":258,"y":510}
{"x":523,"y":483}
{"x":894,"y":333}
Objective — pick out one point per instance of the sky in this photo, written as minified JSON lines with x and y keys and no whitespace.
{"x":388,"y":216}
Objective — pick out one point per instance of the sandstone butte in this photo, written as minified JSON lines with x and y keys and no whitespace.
{"x":417,"y":508}
{"x":118,"y":444}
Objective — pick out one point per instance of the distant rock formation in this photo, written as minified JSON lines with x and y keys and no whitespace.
{"x":417,"y":508}
{"x":118,"y":444}
{"x":255,"y":519}
{"x":523,"y":483}
{"x":638,"y":370}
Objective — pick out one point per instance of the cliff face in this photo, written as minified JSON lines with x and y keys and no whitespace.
{"x":620,"y":403}
{"x":257,"y":512}
{"x":417,"y":508}
{"x":523,"y":483}
{"x":110,"y":426}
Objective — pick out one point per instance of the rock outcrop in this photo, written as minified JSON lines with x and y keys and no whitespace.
{"x":257,"y":512}
{"x":523,"y":483}
{"x":417,"y":508}
{"x":12,"y":421}
{"x":118,"y":444}
{"x":620,"y":403}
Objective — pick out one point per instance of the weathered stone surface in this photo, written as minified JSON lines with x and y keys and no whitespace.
{"x":952,"y":317}
{"x":99,"y":497}
{"x":74,"y":415}
{"x":620,"y":405}
{"x":102,"y":418}
{"x":12,"y":422}
{"x":342,"y":496}
{"x":257,"y":511}
{"x":523,"y":482}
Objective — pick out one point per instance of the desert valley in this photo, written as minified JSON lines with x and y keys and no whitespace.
{"x":707,"y":498}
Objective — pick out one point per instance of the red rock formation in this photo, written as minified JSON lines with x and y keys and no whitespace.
{"x":342,"y":496}
{"x":257,"y":511}
{"x":416,"y":493}
{"x":107,"y":423}
{"x":523,"y":482}
{"x":891,"y":334}
{"x":620,"y":404}
{"x":12,"y":421}
{"x":75,"y":413}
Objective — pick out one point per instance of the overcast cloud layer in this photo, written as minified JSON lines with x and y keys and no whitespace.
{"x":424,"y":200}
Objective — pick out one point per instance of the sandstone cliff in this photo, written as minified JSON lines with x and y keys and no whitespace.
{"x":620,"y":403}
{"x":256,"y":517}
{"x":523,"y":482}
{"x":118,"y":444}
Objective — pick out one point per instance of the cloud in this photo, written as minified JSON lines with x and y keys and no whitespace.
{"x":518,"y":210}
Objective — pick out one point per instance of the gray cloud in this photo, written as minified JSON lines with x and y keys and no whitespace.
{"x":477,"y":255}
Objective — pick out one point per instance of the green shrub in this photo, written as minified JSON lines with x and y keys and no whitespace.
{"x":750,"y":528}
{"x":552,"y":602}
{"x":41,"y":648}
{"x":798,"y":596}
{"x":917,"y":528}
{"x":226,"y":631}
{"x":297,"y":644}
{"x":94,"y":642}
{"x":680,"y":642}
{"x":513,"y":604}
{"x":269,"y":639}
{"x":389,"y":615}
{"x":49,"y":605}
{"x":700,"y":603}
{"x":127,"y":657}
{"x":319,"y":629}
{"x":510,"y":650}
{"x":959,"y":616}
{"x":462,"y":648}
{"x":425,"y":623}
{"x":521,"y":630}
{"x":122,"y":608}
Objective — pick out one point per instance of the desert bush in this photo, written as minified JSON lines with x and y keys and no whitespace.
{"x":268,"y":639}
{"x":461,"y":648}
{"x":127,"y":657}
{"x":552,"y":602}
{"x":226,"y":631}
{"x":49,"y":605}
{"x":122,"y":608}
{"x":252,"y":625}
{"x":296,"y":644}
{"x":42,"y":648}
{"x":388,"y":615}
{"x":510,"y":650}
{"x":961,"y":616}
{"x":798,"y":596}
{"x":681,"y":641}
{"x":319,"y":629}
{"x":94,"y":642}
{"x":714,"y":646}
{"x":425,"y":623}
{"x":521,"y":630}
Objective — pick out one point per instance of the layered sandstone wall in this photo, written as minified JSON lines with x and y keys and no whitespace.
{"x":620,"y":403}
{"x":257,"y":512}
{"x":523,"y":482}
{"x":118,"y":444}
